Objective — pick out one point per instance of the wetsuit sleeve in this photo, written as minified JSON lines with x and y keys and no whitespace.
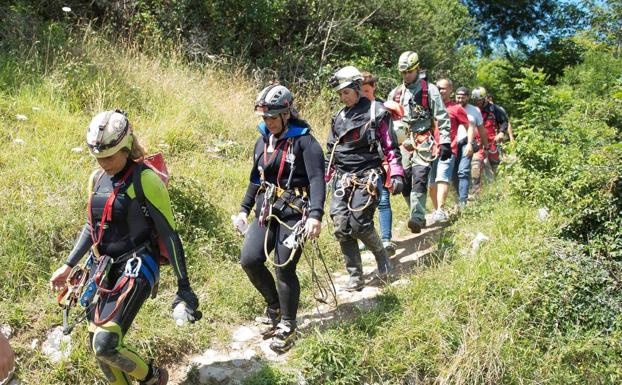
{"x":159,"y":205}
{"x":502,"y":119}
{"x":389,"y":147}
{"x":254,"y":183}
{"x":83,"y":244}
{"x":440,"y":114}
{"x":314,"y":167}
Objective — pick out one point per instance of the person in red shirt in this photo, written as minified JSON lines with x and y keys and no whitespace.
{"x":442,"y":170}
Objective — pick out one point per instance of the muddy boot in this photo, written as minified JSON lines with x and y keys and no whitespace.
{"x":284,"y":336}
{"x":354,"y":266}
{"x":156,"y":376}
{"x":269,"y":321}
{"x":355,"y":283}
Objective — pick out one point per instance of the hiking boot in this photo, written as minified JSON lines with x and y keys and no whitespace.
{"x":159,"y":377}
{"x":415,"y":225}
{"x":389,"y":247}
{"x":439,"y":216}
{"x":270,"y":320}
{"x":384,"y":268}
{"x":284,"y":337}
{"x":355,"y":283}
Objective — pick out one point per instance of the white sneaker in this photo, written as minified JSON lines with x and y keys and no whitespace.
{"x":440,"y":216}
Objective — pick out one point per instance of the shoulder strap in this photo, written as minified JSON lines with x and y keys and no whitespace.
{"x":138,"y":188}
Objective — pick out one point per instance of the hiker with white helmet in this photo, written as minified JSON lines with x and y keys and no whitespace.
{"x":287,"y":190}
{"x":358,"y":142}
{"x":130,"y":228}
{"x":424,"y":112}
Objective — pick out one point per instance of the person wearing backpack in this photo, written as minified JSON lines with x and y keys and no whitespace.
{"x":288,"y":191}
{"x":123,"y":252}
{"x":358,"y":143}
{"x":424,"y":112}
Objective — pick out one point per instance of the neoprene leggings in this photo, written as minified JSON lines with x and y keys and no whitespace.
{"x":285,"y":292}
{"x":116,"y":360}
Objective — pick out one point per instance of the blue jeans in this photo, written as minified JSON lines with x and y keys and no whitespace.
{"x":464,"y":172}
{"x":385,"y":215}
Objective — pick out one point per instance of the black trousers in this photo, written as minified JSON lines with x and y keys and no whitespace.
{"x":285,"y":292}
{"x":355,"y":222}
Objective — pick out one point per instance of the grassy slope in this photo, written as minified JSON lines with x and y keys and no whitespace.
{"x":203,"y":122}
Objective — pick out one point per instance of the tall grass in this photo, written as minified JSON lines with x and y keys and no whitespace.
{"x":201,"y":118}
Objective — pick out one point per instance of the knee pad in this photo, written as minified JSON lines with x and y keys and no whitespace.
{"x":105,"y":343}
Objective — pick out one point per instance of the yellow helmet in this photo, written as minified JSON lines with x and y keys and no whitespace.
{"x":408,"y":61}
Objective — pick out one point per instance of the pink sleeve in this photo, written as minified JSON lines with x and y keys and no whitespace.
{"x":389,"y":148}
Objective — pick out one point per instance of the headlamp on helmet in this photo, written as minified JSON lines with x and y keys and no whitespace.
{"x":478,"y":94}
{"x":348,"y":76}
{"x":408,"y":61}
{"x":273,"y":100}
{"x":109,"y":132}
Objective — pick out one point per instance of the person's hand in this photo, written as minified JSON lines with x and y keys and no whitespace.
{"x":312,"y":228}
{"x":240,"y":222}
{"x":186,"y":295}
{"x":469,"y":149}
{"x":445,"y":152}
{"x":58,"y":281}
{"x":397,"y":184}
{"x":500,"y":137}
{"x":7,"y":358}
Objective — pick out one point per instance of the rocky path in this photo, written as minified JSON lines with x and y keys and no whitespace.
{"x":247,"y":352}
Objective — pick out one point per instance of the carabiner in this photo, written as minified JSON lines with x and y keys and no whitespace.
{"x":132,"y":271}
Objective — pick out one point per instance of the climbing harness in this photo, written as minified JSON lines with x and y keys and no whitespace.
{"x":425,"y":143}
{"x":71,"y":295}
{"x":368,"y":182}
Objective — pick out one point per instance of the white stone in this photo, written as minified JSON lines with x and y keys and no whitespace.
{"x":214,"y":375}
{"x":19,"y":141}
{"x":76,"y":149}
{"x":21,"y":118}
{"x":7,"y":330}
{"x":36,"y":108}
{"x":477,"y":241}
{"x":57,"y":346}
{"x":250,"y":354}
{"x":401,"y":282}
{"x":34,"y":343}
{"x":244,"y":334}
{"x":543,"y":214}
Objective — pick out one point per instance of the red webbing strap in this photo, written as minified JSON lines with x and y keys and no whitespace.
{"x":424,"y":97}
{"x":107,"y":215}
{"x":267,"y":160}
{"x":99,"y":322}
{"x":282,"y":165}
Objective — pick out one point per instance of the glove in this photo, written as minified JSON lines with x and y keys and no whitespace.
{"x":397,"y":184}
{"x":185,"y":294}
{"x":445,"y":151}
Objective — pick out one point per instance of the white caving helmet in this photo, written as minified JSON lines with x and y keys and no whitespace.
{"x":273,"y":100}
{"x":408,"y":61}
{"x":109,"y":132}
{"x":347,"y":76}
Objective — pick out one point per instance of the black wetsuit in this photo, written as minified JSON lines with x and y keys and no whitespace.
{"x":129,"y":230}
{"x":308,"y":174}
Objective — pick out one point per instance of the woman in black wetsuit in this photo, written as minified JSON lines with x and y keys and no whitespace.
{"x":287,"y":189}
{"x":128,"y":203}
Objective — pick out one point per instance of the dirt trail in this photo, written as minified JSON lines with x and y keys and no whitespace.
{"x":247,"y":352}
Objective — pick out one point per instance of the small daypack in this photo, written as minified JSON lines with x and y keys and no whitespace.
{"x":157,"y":164}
